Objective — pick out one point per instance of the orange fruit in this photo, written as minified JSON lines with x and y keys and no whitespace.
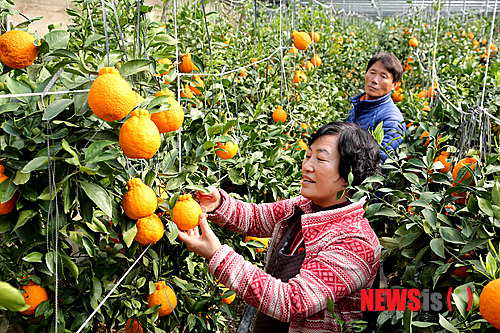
{"x":301,"y":40}
{"x":263,"y":241}
{"x":198,"y":82}
{"x":253,"y":61}
{"x":316,"y":60}
{"x":110,"y":96}
{"x":229,"y":299}
{"x":187,"y":66}
{"x":169,"y":120}
{"x":422,"y":94}
{"x":186,"y":212}
{"x":136,"y":326}
{"x":166,"y":61}
{"x":243,"y":73}
{"x":139,"y":137}
{"x":230,"y":150}
{"x":307,"y":64}
{"x":397,"y":96}
{"x":489,"y":303}
{"x":8,"y":206}
{"x":140,"y":200}
{"x":470,"y":162}
{"x":470,"y":35}
{"x":293,"y":49}
{"x":17,"y":49}
{"x":187,"y":92}
{"x":165,"y":296}
{"x":299,"y":76}
{"x":442,"y":158}
{"x":34,"y":294}
{"x":227,"y":41}
{"x":149,"y":230}
{"x":431,"y":92}
{"x":302,"y":145}
{"x":315,"y":36}
{"x":279,"y":114}
{"x":413,"y":42}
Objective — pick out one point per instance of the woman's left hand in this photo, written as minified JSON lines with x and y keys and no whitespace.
{"x":205,"y":244}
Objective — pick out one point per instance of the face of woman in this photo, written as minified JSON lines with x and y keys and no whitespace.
{"x":320,"y":172}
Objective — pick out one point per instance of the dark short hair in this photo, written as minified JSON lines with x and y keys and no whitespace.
{"x":359,"y":151}
{"x":390,"y":62}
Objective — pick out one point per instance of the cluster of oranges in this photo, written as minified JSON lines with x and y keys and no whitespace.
{"x":301,"y":41}
{"x":111,"y":98}
{"x":397,"y":95}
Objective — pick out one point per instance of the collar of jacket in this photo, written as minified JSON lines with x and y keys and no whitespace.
{"x":370,"y":104}
{"x":313,"y":222}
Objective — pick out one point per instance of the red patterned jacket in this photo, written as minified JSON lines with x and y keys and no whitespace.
{"x":342,"y":257}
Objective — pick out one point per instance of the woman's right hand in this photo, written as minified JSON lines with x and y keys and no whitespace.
{"x":211,"y":201}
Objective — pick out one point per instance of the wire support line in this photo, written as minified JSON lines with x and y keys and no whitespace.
{"x":488,"y":54}
{"x":237,"y":69}
{"x":43,"y":93}
{"x":113,"y":289}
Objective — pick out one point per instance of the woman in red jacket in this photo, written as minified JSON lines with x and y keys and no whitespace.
{"x":321,"y":247}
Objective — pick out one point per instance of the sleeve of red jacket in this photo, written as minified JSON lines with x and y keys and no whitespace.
{"x":344,"y":267}
{"x":247,"y":218}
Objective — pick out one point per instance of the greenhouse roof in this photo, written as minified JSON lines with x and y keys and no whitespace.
{"x":383,"y":8}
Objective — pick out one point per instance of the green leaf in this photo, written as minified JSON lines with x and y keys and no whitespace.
{"x":10,"y":127}
{"x":437,"y":246}
{"x":63,"y":53}
{"x":95,"y":149}
{"x":330,"y":305}
{"x":135,"y":66}
{"x":412,"y":178}
{"x":461,"y":297}
{"x":35,"y":164}
{"x":44,"y":308}
{"x":129,"y":235}
{"x":389,"y":243}
{"x":386,"y":212}
{"x":99,"y":196}
{"x":430,"y":215}
{"x":33,"y":257}
{"x":485,"y":207}
{"x":7,"y":190}
{"x":49,"y":261}
{"x":96,"y":290}
{"x":163,"y":39}
{"x":89,"y":246}
{"x":371,"y":209}
{"x":160,"y":100}
{"x":451,"y":235}
{"x":55,"y":108}
{"x":21,"y":178}
{"x":57,"y":39}
{"x":24,"y":216}
{"x":73,"y":268}
{"x":11,"y":298}
{"x":422,"y":324}
{"x":495,"y":193}
{"x":151,"y":287}
{"x":93,"y":38}
{"x":447,"y":325}
{"x":197,"y":61}
{"x":235,"y":177}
